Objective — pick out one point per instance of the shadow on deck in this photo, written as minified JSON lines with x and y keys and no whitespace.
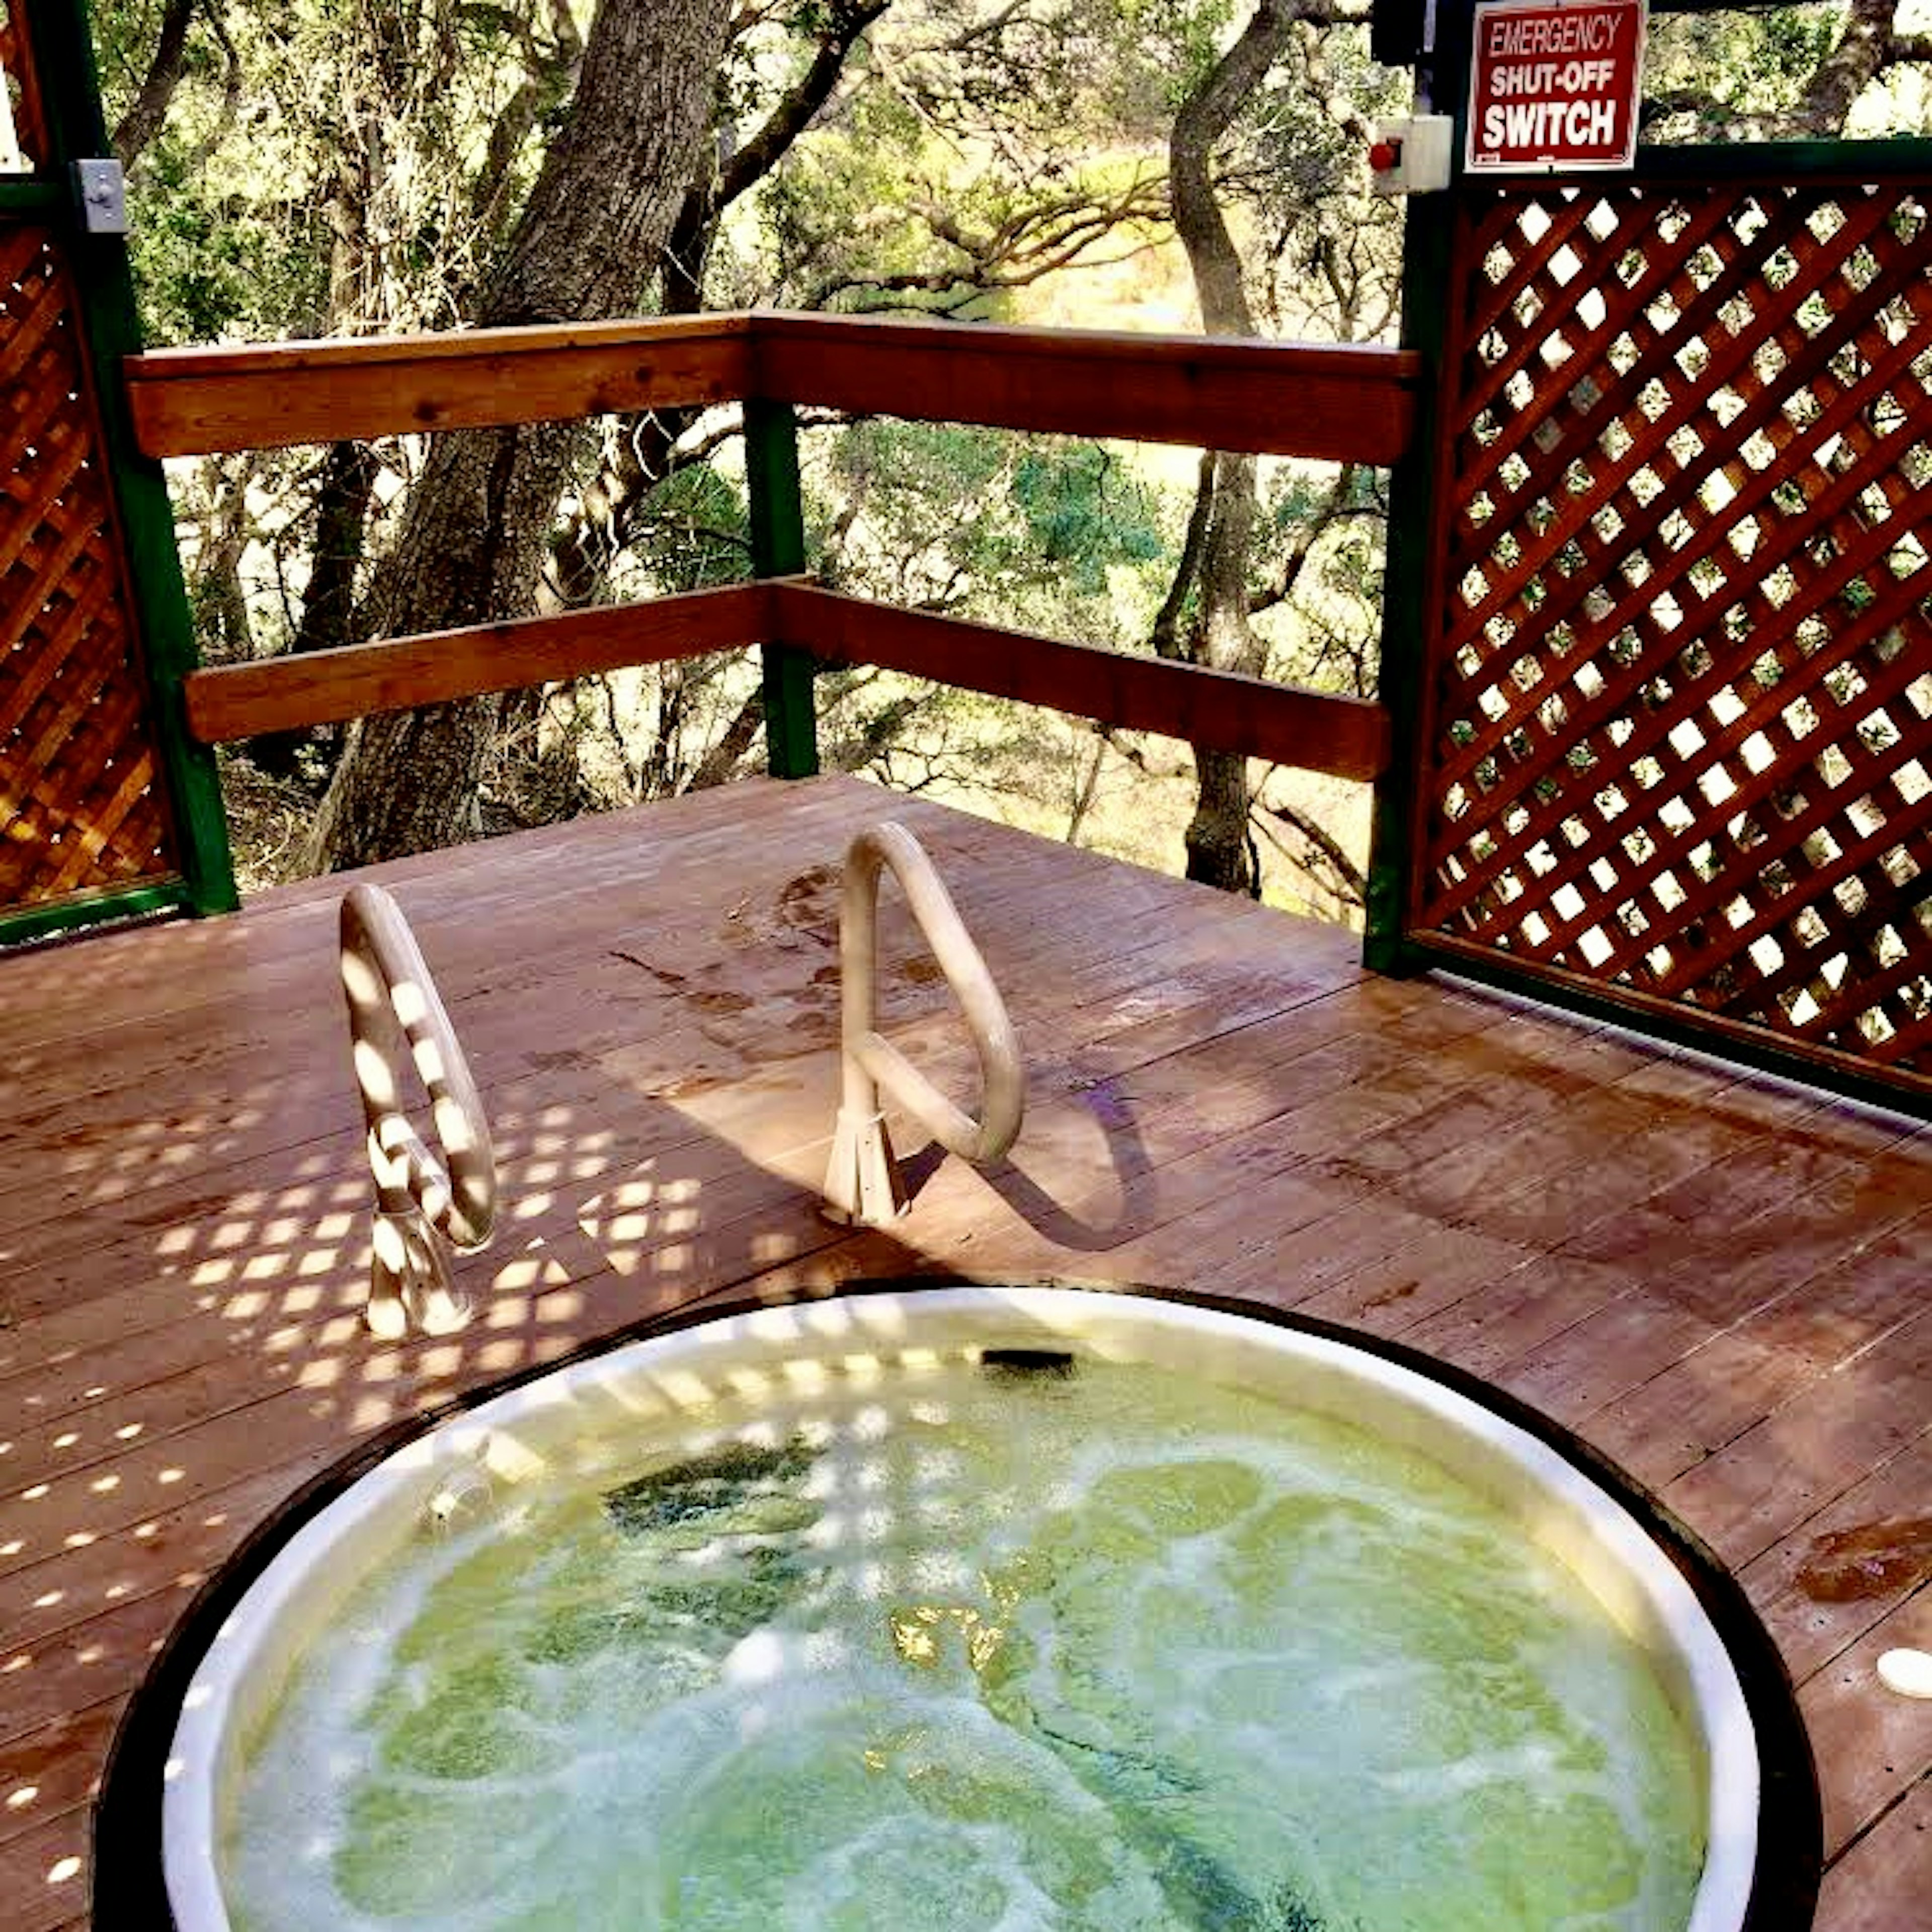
{"x":1717,"y":1280}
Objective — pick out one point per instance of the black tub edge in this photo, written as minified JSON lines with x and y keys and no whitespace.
{"x":129,"y":1890}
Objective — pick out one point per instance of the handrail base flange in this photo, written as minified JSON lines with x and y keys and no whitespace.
{"x":409,"y":1284}
{"x":863,"y":1187}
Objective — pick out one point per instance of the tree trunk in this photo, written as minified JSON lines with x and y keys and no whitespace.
{"x":1214,"y":577}
{"x":642,"y":458}
{"x":328,"y":622}
{"x":1220,"y":848}
{"x":145,"y":115}
{"x":1863,"y":49}
{"x":472,"y":538}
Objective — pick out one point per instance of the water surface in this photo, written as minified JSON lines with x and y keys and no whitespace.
{"x":1110,"y":1650}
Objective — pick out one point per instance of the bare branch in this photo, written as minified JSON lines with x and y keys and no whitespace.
{"x":689,"y":243}
{"x":1038,"y":241}
{"x":1166,"y":634}
{"x":796,"y":110}
{"x":1354,"y":885}
{"x":149,"y":108}
{"x":1335,"y":508}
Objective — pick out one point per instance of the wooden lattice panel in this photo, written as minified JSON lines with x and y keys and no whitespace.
{"x":23,"y":99}
{"x":1682,"y":724}
{"x":81,"y":800}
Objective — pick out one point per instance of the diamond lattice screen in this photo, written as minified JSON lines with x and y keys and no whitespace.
{"x":1682,"y":724}
{"x":22,"y":140}
{"x":81,"y":799}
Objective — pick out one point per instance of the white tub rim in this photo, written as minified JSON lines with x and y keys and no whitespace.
{"x":1737,"y":1889}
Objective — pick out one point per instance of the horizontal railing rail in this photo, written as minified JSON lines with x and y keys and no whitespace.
{"x":1344,"y":737}
{"x":227,"y":702}
{"x":1354,"y":404}
{"x":1347,"y":404}
{"x":205,"y":402}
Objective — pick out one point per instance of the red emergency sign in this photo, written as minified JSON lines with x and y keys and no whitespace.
{"x":1554,"y":84}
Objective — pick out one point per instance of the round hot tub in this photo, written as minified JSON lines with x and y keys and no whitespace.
{"x":946,"y":1607}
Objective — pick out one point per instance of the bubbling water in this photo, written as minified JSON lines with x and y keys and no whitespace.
{"x":1116,"y":1650}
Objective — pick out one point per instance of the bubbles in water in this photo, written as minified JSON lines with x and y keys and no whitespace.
{"x":1113,"y":1651}
{"x":459,"y":1500}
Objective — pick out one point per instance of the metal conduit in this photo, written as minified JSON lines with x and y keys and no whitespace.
{"x":396,"y":1017}
{"x":862,"y":1184}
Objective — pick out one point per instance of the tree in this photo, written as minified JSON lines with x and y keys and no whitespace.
{"x":755,"y":128}
{"x":1784,"y":74}
{"x":1213,"y":572}
{"x":471,"y":543}
{"x":343,"y":166}
{"x":1207,"y":616}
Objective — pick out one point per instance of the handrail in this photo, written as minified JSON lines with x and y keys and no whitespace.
{"x":226,"y":702}
{"x":201,"y":401}
{"x":1229,"y":711}
{"x":861,"y":1183}
{"x":1314,"y":730}
{"x":396,"y":1014}
{"x":1351,"y":402}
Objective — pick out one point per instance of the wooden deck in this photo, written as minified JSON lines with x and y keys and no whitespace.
{"x":1720,"y":1281}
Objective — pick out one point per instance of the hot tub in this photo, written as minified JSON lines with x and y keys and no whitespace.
{"x":966,"y":1607}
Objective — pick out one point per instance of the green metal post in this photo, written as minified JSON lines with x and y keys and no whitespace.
{"x":1413,"y":486}
{"x":63,"y":63}
{"x":778,"y":549}
{"x":1405,"y":594}
{"x":112,"y":905}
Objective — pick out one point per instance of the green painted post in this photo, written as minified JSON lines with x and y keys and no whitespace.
{"x":64,"y":63}
{"x":778,"y":549}
{"x":1413,"y":486}
{"x":1405,"y":595}
{"x":29,"y":923}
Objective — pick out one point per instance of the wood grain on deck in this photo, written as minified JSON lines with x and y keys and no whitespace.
{"x":1720,"y":1281}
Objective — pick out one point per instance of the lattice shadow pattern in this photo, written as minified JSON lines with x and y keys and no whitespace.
{"x":81,"y":803}
{"x":1681,"y":732}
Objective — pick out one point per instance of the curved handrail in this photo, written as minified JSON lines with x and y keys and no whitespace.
{"x":862,"y":1184}
{"x":396,"y":1014}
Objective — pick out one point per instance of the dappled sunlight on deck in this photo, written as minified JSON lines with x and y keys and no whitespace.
{"x":1717,"y":1280}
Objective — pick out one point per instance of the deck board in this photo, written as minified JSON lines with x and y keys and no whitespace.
{"x":1718,"y":1280}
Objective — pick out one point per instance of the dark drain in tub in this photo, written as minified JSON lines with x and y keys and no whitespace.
{"x":1027,"y":1362}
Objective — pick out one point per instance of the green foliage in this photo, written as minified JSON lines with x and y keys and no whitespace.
{"x":1180,"y":41}
{"x":694,"y":533}
{"x":1040,"y":532}
{"x":326,"y":167}
{"x":1325,"y":260}
{"x":877,"y":210}
{"x":1724,"y":76}
{"x":1075,"y":523}
{"x":214,"y":266}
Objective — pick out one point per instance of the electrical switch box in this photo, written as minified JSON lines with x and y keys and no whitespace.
{"x":102,"y":192}
{"x":1414,"y":157}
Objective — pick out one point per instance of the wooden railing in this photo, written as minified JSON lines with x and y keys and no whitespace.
{"x":330,"y":687}
{"x":194,"y":402}
{"x":1348,"y":404}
